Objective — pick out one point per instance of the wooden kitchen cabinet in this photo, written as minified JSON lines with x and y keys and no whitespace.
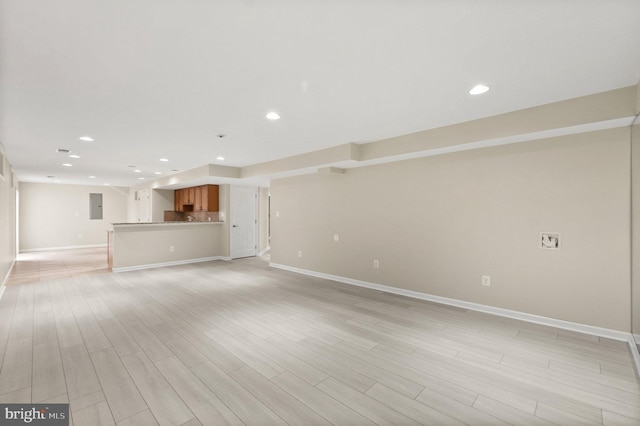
{"x":206,"y":198}
{"x":178,"y":195}
{"x":190,"y":195}
{"x":197,"y":199}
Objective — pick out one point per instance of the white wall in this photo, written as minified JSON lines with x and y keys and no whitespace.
{"x":53,"y":215}
{"x":8,"y":187}
{"x":438,"y":224}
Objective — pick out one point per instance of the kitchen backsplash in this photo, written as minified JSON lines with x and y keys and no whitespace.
{"x":171,"y":216}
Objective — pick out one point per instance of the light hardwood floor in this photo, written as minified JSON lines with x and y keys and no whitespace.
{"x":49,"y":265}
{"x":241,"y":343}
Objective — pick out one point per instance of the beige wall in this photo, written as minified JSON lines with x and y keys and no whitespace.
{"x":635,"y":236}
{"x":54,"y":215}
{"x":138,"y":245}
{"x":438,"y":224}
{"x":8,"y":188}
{"x":224,"y":192}
{"x":161,"y":200}
{"x":263,"y":218}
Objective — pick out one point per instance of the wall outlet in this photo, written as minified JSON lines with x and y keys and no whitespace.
{"x":376,"y":263}
{"x":277,"y":213}
{"x":486,"y":280}
{"x":336,"y":237}
{"x":172,"y":249}
{"x":299,"y":253}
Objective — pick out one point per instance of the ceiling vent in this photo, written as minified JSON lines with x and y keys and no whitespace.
{"x":62,"y":150}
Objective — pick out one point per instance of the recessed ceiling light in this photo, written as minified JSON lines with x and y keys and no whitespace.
{"x":220,"y":158}
{"x":137,"y":171}
{"x":86,"y":138}
{"x":164,"y":159}
{"x":141,"y":178}
{"x":273,"y":115}
{"x":56,"y":181}
{"x":106,"y":184}
{"x":67,"y":164}
{"x":92,"y":177}
{"x":479,"y":89}
{"x":74,"y":156}
{"x":157,"y":173}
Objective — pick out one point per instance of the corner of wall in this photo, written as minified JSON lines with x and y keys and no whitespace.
{"x":8,"y":220}
{"x":637,"y":101}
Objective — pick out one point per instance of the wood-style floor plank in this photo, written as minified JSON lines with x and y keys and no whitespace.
{"x":144,"y":418}
{"x":120,"y":390}
{"x":241,"y":343}
{"x":48,"y":373}
{"x":200,"y":400}
{"x":283,"y":404}
{"x":163,"y":401}
{"x":420,"y":412}
{"x":17,"y":365}
{"x":363,"y":404}
{"x":329,"y":408}
{"x":246,"y":406}
{"x":98,"y":414}
{"x":80,"y":376}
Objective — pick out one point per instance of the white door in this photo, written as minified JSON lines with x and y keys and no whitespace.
{"x":144,"y":206}
{"x":243,"y":219}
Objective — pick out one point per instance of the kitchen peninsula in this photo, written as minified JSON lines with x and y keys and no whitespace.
{"x":155,"y":244}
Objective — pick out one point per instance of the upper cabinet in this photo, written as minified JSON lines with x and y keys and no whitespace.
{"x":197,"y":199}
{"x":206,"y":198}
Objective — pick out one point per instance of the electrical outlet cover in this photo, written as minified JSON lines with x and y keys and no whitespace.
{"x":550,"y":240}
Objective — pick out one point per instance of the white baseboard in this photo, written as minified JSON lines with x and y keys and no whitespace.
{"x":635,"y":352}
{"x":552,"y":322}
{"x":177,"y":262}
{"x":262,"y":252}
{"x":62,"y":248}
{"x":6,"y":277}
{"x":537,"y":319}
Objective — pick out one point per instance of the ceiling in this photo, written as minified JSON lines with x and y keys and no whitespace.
{"x":151,"y":79}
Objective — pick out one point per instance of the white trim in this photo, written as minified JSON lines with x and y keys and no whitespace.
{"x":62,"y":248}
{"x":6,"y":277}
{"x":635,"y":352}
{"x":263,"y":251}
{"x":537,"y":319}
{"x":163,"y":264}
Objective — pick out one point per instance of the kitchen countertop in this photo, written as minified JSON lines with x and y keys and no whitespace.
{"x":148,"y":224}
